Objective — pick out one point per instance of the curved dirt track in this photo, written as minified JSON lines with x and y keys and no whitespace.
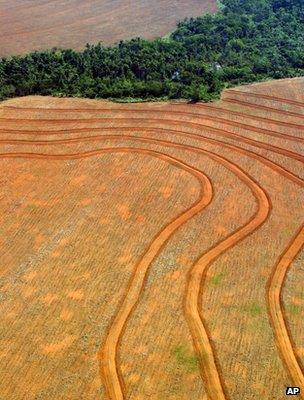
{"x":276,"y":310}
{"x":275,"y":167}
{"x":220,"y":132}
{"x":108,"y":354}
{"x":267,"y":97}
{"x":253,"y":117}
{"x":201,"y":106}
{"x":262,"y":107}
{"x":194,"y":286}
{"x":206,"y":117}
{"x":210,"y":368}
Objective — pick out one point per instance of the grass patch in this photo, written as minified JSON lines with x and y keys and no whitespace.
{"x":185,"y":358}
{"x":138,"y":99}
{"x":264,"y":258}
{"x":253,"y":309}
{"x":294,"y":309}
{"x":258,"y":325}
{"x":217,"y":279}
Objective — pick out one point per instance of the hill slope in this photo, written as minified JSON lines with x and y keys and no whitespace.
{"x":39,"y":24}
{"x":153,"y":250}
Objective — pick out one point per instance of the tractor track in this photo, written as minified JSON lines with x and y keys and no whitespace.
{"x":267,"y":97}
{"x":194,"y":291}
{"x":251,"y":117}
{"x":198,"y":106}
{"x":231,"y":100}
{"x":197,"y":326}
{"x":202,"y":342}
{"x":108,"y":353}
{"x":276,"y":311}
{"x":275,"y":167}
{"x":220,"y":132}
{"x":206,"y":117}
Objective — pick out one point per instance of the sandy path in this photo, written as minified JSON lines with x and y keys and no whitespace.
{"x":276,"y":310}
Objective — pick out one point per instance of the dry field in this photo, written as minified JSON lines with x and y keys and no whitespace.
{"x":153,"y":251}
{"x":27,"y":25}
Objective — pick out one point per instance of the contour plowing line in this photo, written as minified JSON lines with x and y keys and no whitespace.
{"x":206,"y":117}
{"x":194,"y":288}
{"x":267,"y":97}
{"x":276,"y":310}
{"x":261,"y":107}
{"x":108,"y":353}
{"x":197,"y":106}
{"x":217,"y":131}
{"x":275,"y":167}
{"x":201,"y":341}
{"x":251,"y":116}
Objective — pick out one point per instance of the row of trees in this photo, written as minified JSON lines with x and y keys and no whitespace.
{"x":246,"y":41}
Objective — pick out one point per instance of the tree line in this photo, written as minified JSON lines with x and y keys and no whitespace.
{"x":245,"y":41}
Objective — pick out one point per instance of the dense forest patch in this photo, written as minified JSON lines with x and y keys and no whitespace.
{"x":246,"y":41}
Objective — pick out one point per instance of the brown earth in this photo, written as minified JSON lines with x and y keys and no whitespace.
{"x":151,"y":251}
{"x":40,"y":24}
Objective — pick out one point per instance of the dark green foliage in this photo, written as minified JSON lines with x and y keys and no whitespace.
{"x":246,"y":41}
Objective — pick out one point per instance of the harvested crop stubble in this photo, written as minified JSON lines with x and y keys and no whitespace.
{"x":293,"y":298}
{"x":278,"y":321}
{"x":132,"y":274}
{"x":38,"y":24}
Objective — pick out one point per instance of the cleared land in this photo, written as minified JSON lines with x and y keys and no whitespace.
{"x":153,"y":251}
{"x":40,"y":24}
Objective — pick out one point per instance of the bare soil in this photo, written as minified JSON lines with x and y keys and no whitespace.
{"x":152,"y":251}
{"x":39,"y":24}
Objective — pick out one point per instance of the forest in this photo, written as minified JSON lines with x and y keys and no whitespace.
{"x":245,"y":41}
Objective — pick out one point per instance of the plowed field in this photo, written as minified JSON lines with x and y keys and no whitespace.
{"x":27,"y":25}
{"x":153,"y":251}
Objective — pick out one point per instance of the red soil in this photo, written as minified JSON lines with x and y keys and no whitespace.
{"x":260,"y":153}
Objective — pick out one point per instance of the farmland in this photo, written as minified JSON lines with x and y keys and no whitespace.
{"x":34,"y":25}
{"x":153,"y":250}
